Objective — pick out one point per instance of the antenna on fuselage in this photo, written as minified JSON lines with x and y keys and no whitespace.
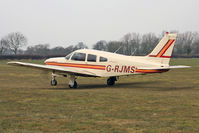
{"x":118,"y":49}
{"x":134,"y":51}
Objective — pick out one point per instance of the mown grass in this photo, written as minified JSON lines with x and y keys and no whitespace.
{"x":167,"y":102}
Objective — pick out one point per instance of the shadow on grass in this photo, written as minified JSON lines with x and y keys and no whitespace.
{"x":147,"y":85}
{"x":102,"y":86}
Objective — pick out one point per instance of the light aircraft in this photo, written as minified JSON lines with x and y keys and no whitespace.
{"x":94,"y":63}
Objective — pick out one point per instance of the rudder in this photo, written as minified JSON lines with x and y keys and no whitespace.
{"x":162,"y":52}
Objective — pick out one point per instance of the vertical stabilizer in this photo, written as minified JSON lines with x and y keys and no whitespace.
{"x":162,"y":52}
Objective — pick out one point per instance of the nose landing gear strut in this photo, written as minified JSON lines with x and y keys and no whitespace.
{"x":53,"y":82}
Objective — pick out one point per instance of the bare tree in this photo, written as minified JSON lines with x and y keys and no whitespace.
{"x":149,"y":41}
{"x":15,"y":41}
{"x":3,"y":46}
{"x":184,"y":43}
{"x":58,"y":51}
{"x":69,"y":49}
{"x":40,"y":49}
{"x":126,"y":44}
{"x":112,"y":46}
{"x":195,"y":45}
{"x":100,"y":45}
{"x":80,"y":45}
{"x":131,"y":43}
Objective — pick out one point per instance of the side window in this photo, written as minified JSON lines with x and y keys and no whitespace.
{"x":68,"y":56}
{"x":79,"y":56}
{"x":91,"y":58}
{"x":103,"y":59}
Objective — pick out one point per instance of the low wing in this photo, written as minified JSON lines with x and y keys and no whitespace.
{"x":53,"y":68}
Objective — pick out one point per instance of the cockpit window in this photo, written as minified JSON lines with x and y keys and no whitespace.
{"x":68,"y":56}
{"x":79,"y":57}
{"x":103,"y":59}
{"x":91,"y":58}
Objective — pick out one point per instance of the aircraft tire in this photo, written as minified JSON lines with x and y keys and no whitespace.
{"x":74,"y":86}
{"x":53,"y":82}
{"x":111,"y":81}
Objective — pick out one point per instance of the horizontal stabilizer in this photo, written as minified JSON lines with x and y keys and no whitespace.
{"x":180,"y":66}
{"x":161,"y":68}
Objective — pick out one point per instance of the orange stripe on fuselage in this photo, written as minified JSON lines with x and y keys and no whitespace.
{"x":99,"y":67}
{"x":151,"y":71}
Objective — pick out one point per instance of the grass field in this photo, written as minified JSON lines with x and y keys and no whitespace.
{"x":166,"y":103}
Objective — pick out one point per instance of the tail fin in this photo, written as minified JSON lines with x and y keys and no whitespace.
{"x":162,"y":52}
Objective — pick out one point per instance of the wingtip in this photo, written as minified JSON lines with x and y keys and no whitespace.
{"x":10,"y":62}
{"x":179,"y":66}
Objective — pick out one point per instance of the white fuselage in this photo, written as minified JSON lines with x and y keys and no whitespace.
{"x":95,"y":63}
{"x":115,"y":65}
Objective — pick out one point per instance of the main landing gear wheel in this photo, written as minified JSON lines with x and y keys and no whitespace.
{"x":53,"y":82}
{"x":111,"y":81}
{"x":74,"y":85}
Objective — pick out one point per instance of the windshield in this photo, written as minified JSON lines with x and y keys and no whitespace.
{"x":68,"y":56}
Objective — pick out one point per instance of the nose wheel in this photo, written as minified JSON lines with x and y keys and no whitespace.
{"x":72,"y":82}
{"x":53,"y":82}
{"x":74,"y":85}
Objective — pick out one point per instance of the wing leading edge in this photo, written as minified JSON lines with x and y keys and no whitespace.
{"x":53,"y":68}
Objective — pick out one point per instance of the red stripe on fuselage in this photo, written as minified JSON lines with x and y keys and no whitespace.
{"x":151,"y":71}
{"x":98,"y":67}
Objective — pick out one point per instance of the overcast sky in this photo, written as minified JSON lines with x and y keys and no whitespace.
{"x":67,"y":22}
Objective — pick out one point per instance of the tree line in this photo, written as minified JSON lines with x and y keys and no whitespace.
{"x":187,"y":44}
